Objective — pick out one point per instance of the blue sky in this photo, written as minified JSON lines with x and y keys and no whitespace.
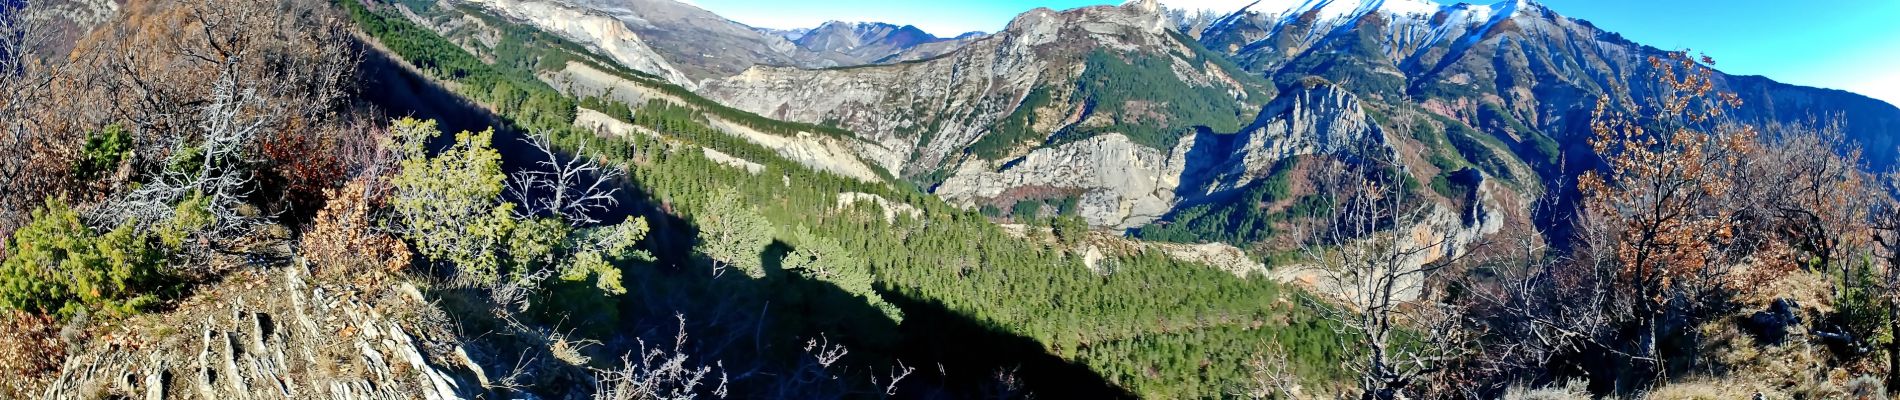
{"x":1842,"y":44}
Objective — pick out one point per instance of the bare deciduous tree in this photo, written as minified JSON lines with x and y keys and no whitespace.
{"x":1270,"y":376}
{"x":1370,"y":259}
{"x":30,"y":161}
{"x":573,"y":189}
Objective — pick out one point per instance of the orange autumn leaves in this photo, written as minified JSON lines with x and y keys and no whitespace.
{"x":1679,"y":197}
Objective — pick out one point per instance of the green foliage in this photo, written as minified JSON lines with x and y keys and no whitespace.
{"x":825,"y":259}
{"x":61,"y":267}
{"x":690,"y":125}
{"x":186,"y":161}
{"x":102,"y":153}
{"x":613,"y":108}
{"x":537,"y":242}
{"x":734,"y":234}
{"x":1478,"y":148}
{"x":1069,"y":205}
{"x":449,"y":205}
{"x":189,"y":218}
{"x":960,"y":261}
{"x":1014,"y":130}
{"x":1438,"y":150}
{"x":1532,"y":143}
{"x":991,"y":211}
{"x":1241,"y":220}
{"x":1860,"y":305}
{"x":1069,"y":229}
{"x":1149,"y":103}
{"x":604,"y":248}
{"x":509,"y":85}
{"x":1026,"y":209}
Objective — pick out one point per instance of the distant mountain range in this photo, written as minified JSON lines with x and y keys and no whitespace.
{"x":1138,"y":112}
{"x":686,"y":44}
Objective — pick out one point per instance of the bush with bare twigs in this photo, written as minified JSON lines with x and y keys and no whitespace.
{"x":345,"y":239}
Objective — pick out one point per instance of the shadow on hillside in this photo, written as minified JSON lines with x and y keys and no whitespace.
{"x":962,"y":357}
{"x":394,"y":90}
{"x":756,"y":329}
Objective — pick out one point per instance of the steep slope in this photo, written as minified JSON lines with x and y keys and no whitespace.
{"x":606,"y":34}
{"x":859,"y":43}
{"x":686,"y":44}
{"x":1051,"y":79}
{"x":618,"y":92}
{"x":1514,"y":68}
{"x":1123,"y":184}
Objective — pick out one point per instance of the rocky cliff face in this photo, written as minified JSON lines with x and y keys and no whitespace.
{"x":686,"y":45}
{"x":606,"y":34}
{"x":929,"y":113}
{"x":929,"y":116}
{"x":1126,"y":185}
{"x":1513,"y":68}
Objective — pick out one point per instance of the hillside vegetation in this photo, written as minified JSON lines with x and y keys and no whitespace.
{"x":388,"y":199}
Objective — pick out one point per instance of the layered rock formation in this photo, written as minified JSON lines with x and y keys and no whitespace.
{"x":926,"y":114}
{"x":686,"y":45}
{"x":279,"y":335}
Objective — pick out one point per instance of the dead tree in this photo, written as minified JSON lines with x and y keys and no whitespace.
{"x":573,"y":189}
{"x":230,"y":122}
{"x":202,"y":84}
{"x":1377,"y":271}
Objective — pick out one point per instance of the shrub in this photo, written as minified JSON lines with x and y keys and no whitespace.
{"x":102,"y":153}
{"x":301,"y":167}
{"x":61,"y":267}
{"x":449,"y":205}
{"x":825,"y":259}
{"x":342,"y":240}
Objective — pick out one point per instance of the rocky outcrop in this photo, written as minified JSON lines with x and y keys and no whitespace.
{"x":1126,"y":185}
{"x":1318,"y":119}
{"x":890,"y":209}
{"x":1535,"y":69}
{"x":928,"y":112}
{"x":686,"y":45}
{"x":841,"y":155}
{"x":728,"y":160}
{"x":603,"y":33}
{"x":1442,"y":233}
{"x":601,"y":123}
{"x":824,"y":153}
{"x":277,"y":335}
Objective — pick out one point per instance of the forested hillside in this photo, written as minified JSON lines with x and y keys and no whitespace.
{"x":403,"y":199}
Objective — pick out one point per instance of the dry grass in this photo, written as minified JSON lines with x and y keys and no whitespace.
{"x":1571,"y":391}
{"x":1702,"y":390}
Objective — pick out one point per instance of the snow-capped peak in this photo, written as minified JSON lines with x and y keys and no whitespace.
{"x":1333,"y":9}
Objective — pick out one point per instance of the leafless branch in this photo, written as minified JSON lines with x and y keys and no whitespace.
{"x":660,"y":373}
{"x":573,"y":189}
